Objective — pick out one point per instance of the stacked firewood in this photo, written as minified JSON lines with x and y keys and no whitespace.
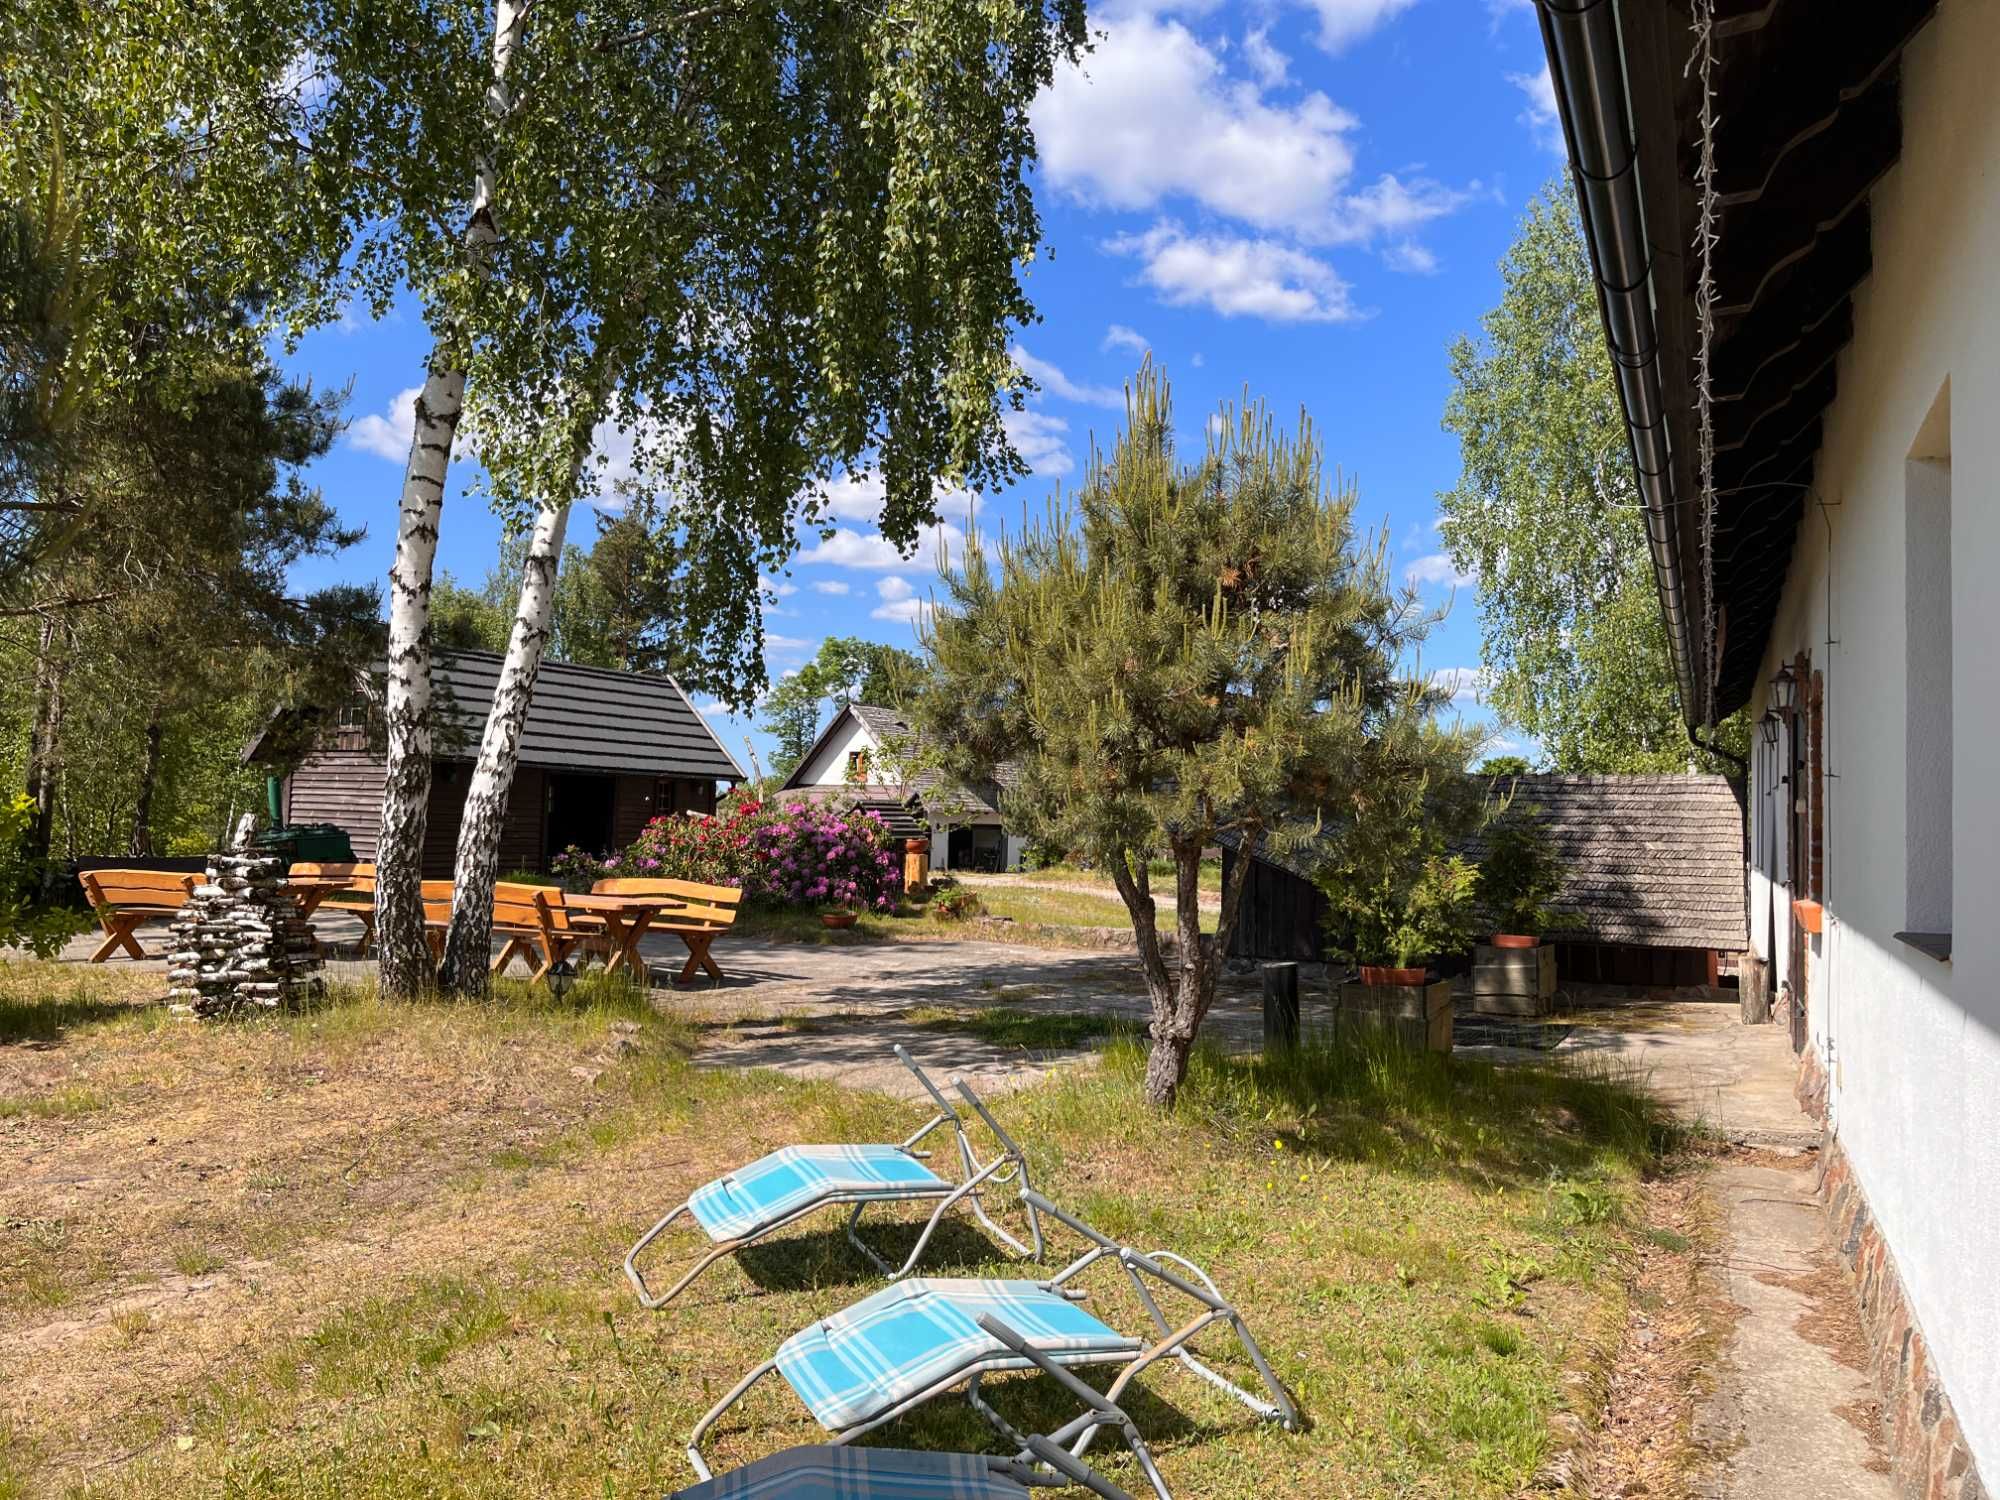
{"x":240,"y":943}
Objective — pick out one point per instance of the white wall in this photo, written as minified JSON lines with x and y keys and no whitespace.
{"x":1912,"y":1046}
{"x":829,"y":766}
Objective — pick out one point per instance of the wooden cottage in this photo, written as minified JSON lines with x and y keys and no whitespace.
{"x":1652,"y":890}
{"x":602,"y":753}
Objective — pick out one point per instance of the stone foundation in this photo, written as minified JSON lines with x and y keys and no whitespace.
{"x":1931,"y":1459}
{"x":240,"y":944}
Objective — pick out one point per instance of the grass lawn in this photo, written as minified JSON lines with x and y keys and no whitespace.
{"x":373,"y":1250}
{"x":1033,"y":916}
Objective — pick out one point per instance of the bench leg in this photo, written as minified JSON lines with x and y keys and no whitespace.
{"x":517,"y":947}
{"x":557,"y":950}
{"x":367,"y":919}
{"x":117,"y":934}
{"x":698,"y":959}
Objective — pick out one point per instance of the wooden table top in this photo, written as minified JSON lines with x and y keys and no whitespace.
{"x":624,"y":903}
{"x":319,"y":882}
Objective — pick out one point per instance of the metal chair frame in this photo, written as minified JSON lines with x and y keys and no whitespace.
{"x":1009,"y":1167}
{"x":1171,"y":1340}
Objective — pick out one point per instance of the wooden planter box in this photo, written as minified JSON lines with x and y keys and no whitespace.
{"x":1513,"y":981}
{"x":1418,"y":1015}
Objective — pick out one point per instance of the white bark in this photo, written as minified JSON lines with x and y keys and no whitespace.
{"x":470,"y":941}
{"x":399,"y":913}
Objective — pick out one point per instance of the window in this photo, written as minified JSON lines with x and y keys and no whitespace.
{"x":857,"y":765}
{"x":1927,"y":757}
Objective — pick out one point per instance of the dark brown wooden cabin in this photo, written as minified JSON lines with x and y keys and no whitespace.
{"x":602,"y":753}
{"x":1653,"y":888}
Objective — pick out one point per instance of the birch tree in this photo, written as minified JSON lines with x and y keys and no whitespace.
{"x":810,"y":259}
{"x":1185,"y":654}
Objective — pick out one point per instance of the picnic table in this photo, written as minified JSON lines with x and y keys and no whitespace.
{"x":310,"y":890}
{"x":625,"y":920}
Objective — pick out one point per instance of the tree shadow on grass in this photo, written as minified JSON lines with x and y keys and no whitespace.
{"x":52,"y":1019}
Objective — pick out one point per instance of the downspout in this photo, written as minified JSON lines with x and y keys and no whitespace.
{"x":1587,"y":68}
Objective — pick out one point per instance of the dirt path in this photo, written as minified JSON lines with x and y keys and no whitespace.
{"x":1209,"y":900}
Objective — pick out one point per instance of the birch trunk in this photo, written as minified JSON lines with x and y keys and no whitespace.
{"x":399,"y":911}
{"x":469,"y":944}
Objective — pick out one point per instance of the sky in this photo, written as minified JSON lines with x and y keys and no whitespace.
{"x":1304,"y":202}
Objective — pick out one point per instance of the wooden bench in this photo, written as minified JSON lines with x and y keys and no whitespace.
{"x":358,"y":900}
{"x":123,"y":899}
{"x":706,"y":912}
{"x":530,"y":917}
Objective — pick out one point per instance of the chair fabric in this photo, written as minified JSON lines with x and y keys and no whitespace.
{"x":823,"y":1472}
{"x":888,"y":1347}
{"x":776,"y":1186}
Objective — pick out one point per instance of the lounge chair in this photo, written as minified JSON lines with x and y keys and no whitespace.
{"x":826,"y":1471}
{"x":775,"y":1191}
{"x":897,"y":1349}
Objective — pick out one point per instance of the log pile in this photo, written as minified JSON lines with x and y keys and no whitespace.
{"x":240,"y":943}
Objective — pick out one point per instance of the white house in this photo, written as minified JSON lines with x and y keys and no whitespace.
{"x":1832,"y":577}
{"x":858,"y":757}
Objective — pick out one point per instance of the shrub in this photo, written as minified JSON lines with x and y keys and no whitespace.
{"x":1404,"y":919}
{"x":790,"y":854}
{"x":1520,"y":875}
{"x":957,"y":903}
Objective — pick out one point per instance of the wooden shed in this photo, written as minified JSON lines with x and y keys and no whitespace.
{"x":602,"y":753}
{"x":1653,"y":889}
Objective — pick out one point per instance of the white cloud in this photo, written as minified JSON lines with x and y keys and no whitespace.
{"x":1238,"y":277}
{"x":847,"y":548}
{"x":1343,"y":22}
{"x":900,"y":601}
{"x":859,"y":497}
{"x":774,"y":588}
{"x":1410,"y":256}
{"x":1052,"y":381}
{"x":1038,"y":438}
{"x":1153,"y":115}
{"x":1438,"y":568}
{"x":1540,"y":116}
{"x":1196,"y":359}
{"x":1462,"y":685}
{"x":388,"y":436}
{"x":1272,"y":67}
{"x":831,"y":586}
{"x":788,"y":645}
{"x":1118,"y":336}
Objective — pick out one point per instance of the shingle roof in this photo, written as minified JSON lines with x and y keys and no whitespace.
{"x":1651,"y":860}
{"x":1655,"y":861}
{"x":583,"y":719}
{"x":885,"y":725}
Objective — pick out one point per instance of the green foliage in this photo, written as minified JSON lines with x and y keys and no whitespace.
{"x":23,"y":922}
{"x":845,"y":670}
{"x":1520,"y":874}
{"x":1184,"y":653}
{"x":957,"y":903}
{"x":1503,"y":765}
{"x":1407,"y":917}
{"x":1547,"y":513}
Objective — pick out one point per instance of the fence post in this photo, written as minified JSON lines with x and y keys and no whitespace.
{"x":1281,"y":1005}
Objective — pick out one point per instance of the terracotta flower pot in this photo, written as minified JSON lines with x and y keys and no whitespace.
{"x":1515,"y":940}
{"x":1385,"y":974}
{"x":1811,"y":915}
{"x":836,"y":919}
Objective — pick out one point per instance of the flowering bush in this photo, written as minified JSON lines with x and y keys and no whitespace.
{"x":790,"y":854}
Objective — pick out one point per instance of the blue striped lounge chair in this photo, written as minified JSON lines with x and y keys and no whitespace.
{"x":777,"y":1190}
{"x":826,"y":1471}
{"x":908,"y":1343}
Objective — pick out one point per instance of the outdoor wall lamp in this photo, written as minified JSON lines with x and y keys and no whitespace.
{"x":1768,"y":727}
{"x":1785,"y":687}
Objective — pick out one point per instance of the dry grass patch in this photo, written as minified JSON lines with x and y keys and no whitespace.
{"x":373,"y":1251}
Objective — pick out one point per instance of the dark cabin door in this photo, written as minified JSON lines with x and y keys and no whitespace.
{"x":579,"y":813}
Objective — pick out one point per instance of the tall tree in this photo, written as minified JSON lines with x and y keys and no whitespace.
{"x":789,"y":241}
{"x":846,"y":669}
{"x":1546,"y":513}
{"x":1188,"y":654}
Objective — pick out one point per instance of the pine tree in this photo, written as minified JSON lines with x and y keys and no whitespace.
{"x":1185,"y":655}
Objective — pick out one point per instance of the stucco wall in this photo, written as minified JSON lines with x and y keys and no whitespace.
{"x":1912,"y":1046}
{"x":829,"y":767}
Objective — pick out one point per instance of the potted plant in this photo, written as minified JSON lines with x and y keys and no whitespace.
{"x":1393,"y":925}
{"x":1518,"y":878}
{"x":837,"y":917}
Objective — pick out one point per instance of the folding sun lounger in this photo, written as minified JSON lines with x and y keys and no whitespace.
{"x":824,"y":1471}
{"x":895,"y":1350}
{"x":778,"y":1190}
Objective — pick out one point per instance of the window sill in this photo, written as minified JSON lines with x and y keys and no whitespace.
{"x":1935,"y":945}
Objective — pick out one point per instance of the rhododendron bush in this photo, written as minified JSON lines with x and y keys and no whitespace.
{"x":785,"y":854}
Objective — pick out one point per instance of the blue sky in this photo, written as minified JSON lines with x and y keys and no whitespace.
{"x":1307,"y":201}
